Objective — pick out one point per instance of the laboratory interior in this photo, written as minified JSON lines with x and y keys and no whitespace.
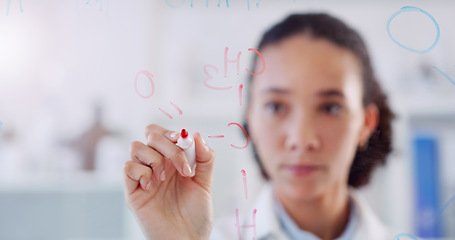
{"x":81,"y":80}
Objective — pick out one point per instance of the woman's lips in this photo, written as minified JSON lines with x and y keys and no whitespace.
{"x":301,"y":170}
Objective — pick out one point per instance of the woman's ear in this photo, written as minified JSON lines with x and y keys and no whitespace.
{"x":370,"y":123}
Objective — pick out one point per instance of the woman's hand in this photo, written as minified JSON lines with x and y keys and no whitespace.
{"x":166,"y":202}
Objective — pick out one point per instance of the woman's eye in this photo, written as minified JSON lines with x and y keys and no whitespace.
{"x":275,"y":107}
{"x":331,"y":108}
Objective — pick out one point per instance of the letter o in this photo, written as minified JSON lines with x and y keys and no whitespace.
{"x":149,"y":76}
{"x":413,"y":9}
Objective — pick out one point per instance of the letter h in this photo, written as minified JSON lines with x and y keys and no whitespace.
{"x":238,"y":226}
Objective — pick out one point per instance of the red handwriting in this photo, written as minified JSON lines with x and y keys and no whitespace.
{"x":178,"y":109}
{"x":226,"y":61}
{"x":216,"y":136}
{"x":169,"y":115}
{"x":262,"y":60}
{"x":244,"y":184}
{"x":240,"y":93}
{"x":244,"y":132}
{"x":238,"y":226}
{"x":214,"y":71}
{"x":211,"y":71}
{"x":166,"y":113}
{"x":237,"y":62}
{"x":149,"y":76}
{"x":209,"y":76}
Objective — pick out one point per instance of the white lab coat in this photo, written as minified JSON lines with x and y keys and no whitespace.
{"x":268,"y":225}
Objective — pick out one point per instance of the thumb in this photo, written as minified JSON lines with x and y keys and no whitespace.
{"x":205,"y":161}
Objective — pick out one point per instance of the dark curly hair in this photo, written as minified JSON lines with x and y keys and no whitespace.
{"x":324,"y":26}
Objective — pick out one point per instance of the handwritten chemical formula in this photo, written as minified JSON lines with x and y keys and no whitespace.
{"x":8,"y":6}
{"x":226,"y":77}
{"x":237,"y":218}
{"x":212,"y":72}
{"x":250,"y":4}
{"x":149,"y":77}
{"x":102,"y":6}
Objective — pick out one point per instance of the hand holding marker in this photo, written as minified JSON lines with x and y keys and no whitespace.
{"x":156,"y":201}
{"x":186,"y":143}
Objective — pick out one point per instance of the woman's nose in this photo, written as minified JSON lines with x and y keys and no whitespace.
{"x":302,"y":134}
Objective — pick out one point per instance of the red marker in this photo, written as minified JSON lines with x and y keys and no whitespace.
{"x":186,"y":142}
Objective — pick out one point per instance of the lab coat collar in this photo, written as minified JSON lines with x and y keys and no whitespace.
{"x":369,"y":224}
{"x":268,"y":225}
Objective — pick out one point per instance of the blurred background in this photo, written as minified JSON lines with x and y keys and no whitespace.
{"x":80,"y":80}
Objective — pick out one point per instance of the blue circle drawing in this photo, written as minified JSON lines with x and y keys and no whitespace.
{"x":175,"y":6}
{"x":413,"y":9}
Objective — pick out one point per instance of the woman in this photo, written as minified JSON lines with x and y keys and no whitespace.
{"x":319,"y":123}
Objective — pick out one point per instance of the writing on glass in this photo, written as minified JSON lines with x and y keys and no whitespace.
{"x":232,"y":145}
{"x":225,"y":3}
{"x":212,"y":71}
{"x":237,"y":220}
{"x":216,"y":136}
{"x":444,"y":75}
{"x":100,"y":3}
{"x":429,"y":219}
{"x":250,"y":4}
{"x":8,"y":5}
{"x":413,"y":9}
{"x":238,"y":226}
{"x":422,"y":51}
{"x":443,"y":208}
{"x":169,"y":115}
{"x":244,"y":184}
{"x":149,"y":78}
{"x":257,"y":4}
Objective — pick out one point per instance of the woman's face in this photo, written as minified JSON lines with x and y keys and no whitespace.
{"x":306,"y":116}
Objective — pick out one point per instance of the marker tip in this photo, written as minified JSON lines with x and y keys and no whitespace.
{"x":184,"y":133}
